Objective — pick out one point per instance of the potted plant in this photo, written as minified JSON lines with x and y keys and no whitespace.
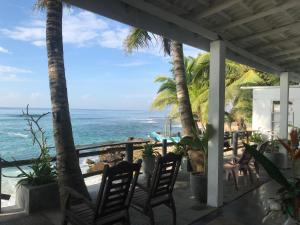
{"x":289,"y":193}
{"x":180,"y":149}
{"x":37,"y":189}
{"x":256,"y":138}
{"x":148,"y":155}
{"x":197,"y":153}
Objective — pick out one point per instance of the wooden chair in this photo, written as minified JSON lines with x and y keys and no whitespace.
{"x":160,"y":190}
{"x":242,"y":165}
{"x":113,"y":201}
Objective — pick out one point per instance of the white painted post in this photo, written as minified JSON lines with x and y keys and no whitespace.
{"x":284,"y":114}
{"x":284,"y":105}
{"x":216,"y":122}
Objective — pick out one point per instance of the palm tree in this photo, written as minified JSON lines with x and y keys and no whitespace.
{"x":139,"y":38}
{"x":238,"y":102}
{"x":69,"y":173}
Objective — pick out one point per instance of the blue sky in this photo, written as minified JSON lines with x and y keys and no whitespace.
{"x":99,"y":73}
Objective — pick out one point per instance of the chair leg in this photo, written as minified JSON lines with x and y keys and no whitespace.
{"x":250,"y":174}
{"x":150,"y":215}
{"x":235,"y":180}
{"x":172,"y":204}
{"x":127,"y":219}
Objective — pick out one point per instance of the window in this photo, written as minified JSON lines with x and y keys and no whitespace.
{"x":276,"y":117}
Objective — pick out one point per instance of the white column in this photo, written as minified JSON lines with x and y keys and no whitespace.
{"x":284,"y":115}
{"x":216,"y":122}
{"x":284,"y":105}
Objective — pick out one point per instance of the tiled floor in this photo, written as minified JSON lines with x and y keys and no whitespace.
{"x":250,"y":209}
{"x":188,"y":209}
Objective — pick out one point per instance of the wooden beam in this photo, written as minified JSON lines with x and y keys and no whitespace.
{"x":214,"y":9}
{"x":269,"y":32}
{"x":171,"y":18}
{"x":260,"y":48}
{"x":297,"y":56}
{"x":277,"y":9}
{"x":294,"y":63}
{"x":284,"y":52}
{"x":251,"y":56}
{"x":191,"y":26}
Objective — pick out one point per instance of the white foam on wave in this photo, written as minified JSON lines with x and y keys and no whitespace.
{"x":17,"y":134}
{"x":148,"y":121}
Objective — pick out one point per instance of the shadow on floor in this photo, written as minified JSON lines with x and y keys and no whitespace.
{"x":189,"y":210}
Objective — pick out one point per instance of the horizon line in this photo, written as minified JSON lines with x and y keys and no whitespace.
{"x":75,"y":108}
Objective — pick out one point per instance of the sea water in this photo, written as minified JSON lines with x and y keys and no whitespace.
{"x":89,"y":126}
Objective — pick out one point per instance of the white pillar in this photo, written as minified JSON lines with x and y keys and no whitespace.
{"x":284,"y":105}
{"x":284,"y":114}
{"x":216,"y":122}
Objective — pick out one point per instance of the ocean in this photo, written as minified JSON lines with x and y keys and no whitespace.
{"x":89,"y":126}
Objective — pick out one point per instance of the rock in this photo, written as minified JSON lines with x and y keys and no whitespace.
{"x":133,"y":139}
{"x":89,"y":162}
{"x":96,"y":167}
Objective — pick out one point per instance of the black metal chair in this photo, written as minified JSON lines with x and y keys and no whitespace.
{"x":113,"y":201}
{"x":161,"y":187}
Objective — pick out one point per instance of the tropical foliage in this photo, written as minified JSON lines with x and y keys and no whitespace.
{"x":289,"y":192}
{"x":139,"y":38}
{"x":238,"y":101}
{"x":148,"y":151}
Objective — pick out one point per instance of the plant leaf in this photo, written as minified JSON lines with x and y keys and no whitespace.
{"x":269,"y":166}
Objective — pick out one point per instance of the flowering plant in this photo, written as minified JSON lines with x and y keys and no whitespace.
{"x":292,"y":146}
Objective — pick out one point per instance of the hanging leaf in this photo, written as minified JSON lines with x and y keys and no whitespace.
{"x":269,"y":166}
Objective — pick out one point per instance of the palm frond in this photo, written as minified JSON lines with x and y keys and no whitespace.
{"x":136,"y":39}
{"x":164,"y":99}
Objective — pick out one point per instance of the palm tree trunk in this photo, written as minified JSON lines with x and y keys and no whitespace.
{"x":69,"y":173}
{"x":184,"y":104}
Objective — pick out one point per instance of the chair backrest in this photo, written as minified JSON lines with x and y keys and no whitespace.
{"x":117,"y":186}
{"x":164,"y":175}
{"x":246,"y":157}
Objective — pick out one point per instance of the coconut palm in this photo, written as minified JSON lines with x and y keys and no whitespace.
{"x":238,"y":102}
{"x":139,"y":38}
{"x":69,"y":173}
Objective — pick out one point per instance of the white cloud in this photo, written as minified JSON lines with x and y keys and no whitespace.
{"x":9,"y":73}
{"x":81,"y":29}
{"x":3,"y":50}
{"x":131,"y":64}
{"x":30,"y":34}
{"x":113,"y":38}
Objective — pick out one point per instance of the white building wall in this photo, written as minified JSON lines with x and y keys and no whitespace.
{"x":263,"y":98}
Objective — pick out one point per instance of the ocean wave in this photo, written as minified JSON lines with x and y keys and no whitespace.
{"x":17,"y":134}
{"x":147,"y":121}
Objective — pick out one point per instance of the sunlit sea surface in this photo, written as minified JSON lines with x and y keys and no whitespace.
{"x":89,"y":126}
